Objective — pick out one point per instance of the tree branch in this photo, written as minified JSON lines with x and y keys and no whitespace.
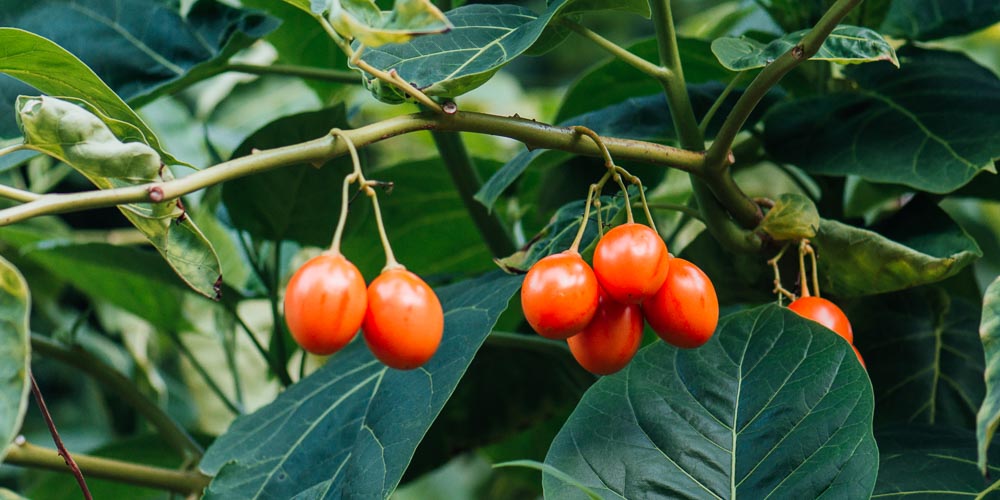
{"x":317,"y":151}
{"x":658,"y":72}
{"x":26,"y":454}
{"x":717,"y":157}
{"x":62,"y":451}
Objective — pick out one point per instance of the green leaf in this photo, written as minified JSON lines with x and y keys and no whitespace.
{"x":349,"y":429}
{"x":299,"y":203}
{"x":51,"y":69}
{"x":772,"y":405}
{"x":793,"y":217}
{"x":362,"y":20}
{"x":82,"y":139}
{"x":920,"y":461}
{"x":924,"y":356}
{"x":15,"y":306}
{"x":615,"y":81}
{"x":933,"y":19}
{"x":916,"y":246}
{"x":989,"y":331}
{"x":908,"y":126}
{"x":142,"y":50}
{"x":425,"y":219}
{"x":484,"y":39}
{"x":643,"y":118}
{"x":845,"y":45}
{"x":132,"y":279}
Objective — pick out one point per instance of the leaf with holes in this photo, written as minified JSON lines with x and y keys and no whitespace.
{"x":773,"y":405}
{"x":989,"y":331}
{"x":909,"y":126}
{"x":350,"y":429}
{"x":845,"y":45}
{"x":15,"y":305}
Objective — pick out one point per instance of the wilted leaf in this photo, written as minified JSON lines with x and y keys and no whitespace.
{"x":793,"y":217}
{"x":845,"y":45}
{"x":15,"y":305}
{"x":933,"y":19}
{"x":908,"y":126}
{"x":362,"y":20}
{"x":989,"y":331}
{"x":349,"y":429}
{"x":918,"y":245}
{"x":773,"y":405}
{"x":82,"y":140}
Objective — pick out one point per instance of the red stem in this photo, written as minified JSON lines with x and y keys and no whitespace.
{"x":63,"y":452}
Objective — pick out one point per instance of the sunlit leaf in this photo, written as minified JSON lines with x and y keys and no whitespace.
{"x":918,"y":245}
{"x":845,"y":45}
{"x":350,"y":429}
{"x":793,"y":217}
{"x":773,"y":405}
{"x":362,"y":20}
{"x":15,"y":305}
{"x":989,"y":331}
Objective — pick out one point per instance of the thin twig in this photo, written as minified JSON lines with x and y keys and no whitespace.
{"x":63,"y":452}
{"x":209,"y":381}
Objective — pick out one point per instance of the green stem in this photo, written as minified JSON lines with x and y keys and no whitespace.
{"x":12,"y":193}
{"x":463,"y":174}
{"x":227,"y":338}
{"x":323,"y":74}
{"x":122,"y":387}
{"x":717,"y":157}
{"x":29,"y":455}
{"x":705,"y":120}
{"x":198,"y":367}
{"x":729,"y":234}
{"x":532,"y":133}
{"x":675,"y":87}
{"x":657,"y":72}
{"x":276,"y":368}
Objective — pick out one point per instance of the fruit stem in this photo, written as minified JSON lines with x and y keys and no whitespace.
{"x":815,"y":273}
{"x":575,"y":247}
{"x":356,"y":175}
{"x":390,"y":258}
{"x":634,"y":179}
{"x":803,"y":282}
{"x":778,"y":289}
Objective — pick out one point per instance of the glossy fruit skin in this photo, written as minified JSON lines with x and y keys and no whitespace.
{"x":630,"y":262}
{"x":685,"y":310}
{"x":825,"y":313}
{"x":559,"y":295}
{"x":404,"y":322}
{"x":325,"y":303}
{"x":611,"y":339}
{"x":860,"y":359}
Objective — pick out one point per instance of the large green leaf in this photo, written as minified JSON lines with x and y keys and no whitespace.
{"x":349,"y":429}
{"x":484,"y":39}
{"x":15,"y":351}
{"x":92,"y":144}
{"x":933,"y":19}
{"x":615,"y":81}
{"x":643,"y":118}
{"x":916,"y":246}
{"x":920,"y":461}
{"x":300,"y":202}
{"x":773,"y":405}
{"x":908,"y":126}
{"x":845,"y":45}
{"x":137,"y":281}
{"x":49,"y":68}
{"x":924,"y":357}
{"x":989,"y":331}
{"x":141,"y":48}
